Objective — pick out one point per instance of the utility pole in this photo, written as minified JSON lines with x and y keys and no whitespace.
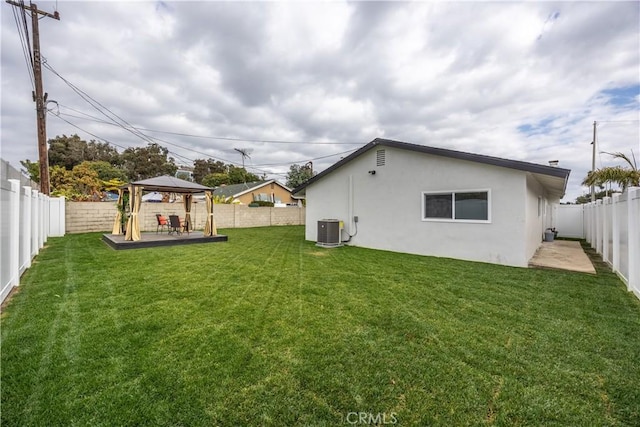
{"x":593,"y":161}
{"x":39,"y":96}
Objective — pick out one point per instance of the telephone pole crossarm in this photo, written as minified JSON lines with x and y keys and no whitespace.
{"x":34,"y":8}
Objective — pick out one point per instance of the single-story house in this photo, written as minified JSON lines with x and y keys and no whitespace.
{"x":403,"y":197}
{"x":267,"y":191}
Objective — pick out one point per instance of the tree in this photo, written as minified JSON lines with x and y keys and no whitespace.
{"x":86,"y":181}
{"x":298,"y":174}
{"x":113,"y":184}
{"x":215,"y":180}
{"x":102,"y":152}
{"x":586,"y":198}
{"x":81,"y":183}
{"x":234,"y":176}
{"x":69,"y":151}
{"x":32,"y":169}
{"x":61,"y":182}
{"x":183,"y":175}
{"x":239,"y":175}
{"x":106,"y":171}
{"x":202,"y":168}
{"x":147,"y":162}
{"x":623,"y":176}
{"x":222,"y":200}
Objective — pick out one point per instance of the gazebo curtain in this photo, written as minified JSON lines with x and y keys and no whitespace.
{"x":187,"y":211}
{"x":133,"y":225}
{"x":117,"y":223}
{"x":210,"y":226}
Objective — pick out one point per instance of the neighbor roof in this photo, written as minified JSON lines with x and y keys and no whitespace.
{"x":557,"y":185}
{"x":237,"y":189}
{"x":170,"y":184}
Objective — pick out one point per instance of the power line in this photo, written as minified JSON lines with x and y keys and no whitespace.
{"x":91,"y":101}
{"x":149,"y":139}
{"x":89,"y":133}
{"x":120,"y":122}
{"x":257,"y":168}
{"x":200,"y":152}
{"x":23,"y":35}
{"x":309,"y":160}
{"x":266,"y":141}
{"x":39,"y":96}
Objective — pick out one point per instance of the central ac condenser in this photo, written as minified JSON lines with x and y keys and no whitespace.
{"x":329,"y":231}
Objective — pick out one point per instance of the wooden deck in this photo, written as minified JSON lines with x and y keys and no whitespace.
{"x":150,"y":240}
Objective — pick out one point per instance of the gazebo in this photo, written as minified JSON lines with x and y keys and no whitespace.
{"x":163,"y":184}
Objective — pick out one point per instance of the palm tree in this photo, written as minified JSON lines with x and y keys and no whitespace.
{"x":623,"y":176}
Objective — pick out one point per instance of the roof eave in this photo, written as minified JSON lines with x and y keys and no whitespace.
{"x":460,"y":155}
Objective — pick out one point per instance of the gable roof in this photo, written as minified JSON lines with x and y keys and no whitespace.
{"x":237,"y":190}
{"x":170,"y":184}
{"x":553,"y":178}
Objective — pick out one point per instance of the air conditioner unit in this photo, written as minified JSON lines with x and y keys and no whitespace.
{"x":329,"y":233}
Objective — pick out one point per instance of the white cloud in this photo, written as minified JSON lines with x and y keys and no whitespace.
{"x":471,"y":76}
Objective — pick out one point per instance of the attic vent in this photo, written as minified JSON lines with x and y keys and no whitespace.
{"x":380,"y":158}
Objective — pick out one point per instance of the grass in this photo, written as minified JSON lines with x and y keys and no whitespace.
{"x":268,"y":329}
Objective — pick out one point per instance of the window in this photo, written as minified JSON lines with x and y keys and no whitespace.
{"x":456,"y":206}
{"x":381,"y":158}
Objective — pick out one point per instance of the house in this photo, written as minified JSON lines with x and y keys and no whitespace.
{"x":268,"y":191}
{"x":402,"y":197}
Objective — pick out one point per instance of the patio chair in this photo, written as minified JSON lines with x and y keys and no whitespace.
{"x":162,"y":222}
{"x":175,"y":224}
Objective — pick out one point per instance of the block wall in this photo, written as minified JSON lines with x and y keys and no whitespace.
{"x":84,"y":217}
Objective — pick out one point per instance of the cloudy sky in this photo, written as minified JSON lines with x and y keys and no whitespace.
{"x":301,"y":81}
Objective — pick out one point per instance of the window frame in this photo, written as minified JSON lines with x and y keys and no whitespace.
{"x":453,"y":206}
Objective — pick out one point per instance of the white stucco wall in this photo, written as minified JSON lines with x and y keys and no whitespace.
{"x":389,"y":206}
{"x":536,"y":215}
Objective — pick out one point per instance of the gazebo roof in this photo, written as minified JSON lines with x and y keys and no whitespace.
{"x":170,"y":184}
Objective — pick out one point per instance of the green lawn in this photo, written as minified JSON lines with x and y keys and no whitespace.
{"x":267,"y":329}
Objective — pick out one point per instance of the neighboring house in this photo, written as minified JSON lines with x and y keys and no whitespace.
{"x":268,"y":191}
{"x":433,"y":201}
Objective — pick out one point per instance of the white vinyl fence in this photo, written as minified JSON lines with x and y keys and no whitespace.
{"x":612,"y":227}
{"x":28,"y":219}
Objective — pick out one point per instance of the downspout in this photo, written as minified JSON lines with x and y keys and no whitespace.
{"x":350,"y":221}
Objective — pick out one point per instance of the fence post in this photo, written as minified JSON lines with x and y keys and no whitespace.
{"x":35,"y":223}
{"x":587,"y":222}
{"x":615,"y":229}
{"x":606,"y":218}
{"x":41,"y":218}
{"x":633,"y":216}
{"x":599,"y":221}
{"x":14,"y":232}
{"x":594,"y":222}
{"x":26,"y":238}
{"x":46,"y":218}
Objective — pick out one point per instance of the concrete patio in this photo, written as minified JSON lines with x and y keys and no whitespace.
{"x":562,"y":255}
